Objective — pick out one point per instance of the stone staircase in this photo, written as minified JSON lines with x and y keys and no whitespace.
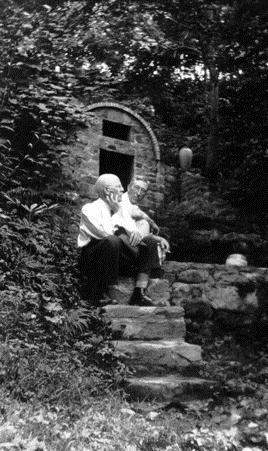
{"x":152,"y":342}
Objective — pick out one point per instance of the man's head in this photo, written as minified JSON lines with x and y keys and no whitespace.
{"x":137,"y":190}
{"x":108,"y":183}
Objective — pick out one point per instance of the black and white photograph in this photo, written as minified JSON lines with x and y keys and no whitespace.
{"x":133,"y":225}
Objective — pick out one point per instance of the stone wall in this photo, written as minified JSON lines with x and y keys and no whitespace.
{"x":235,"y":295}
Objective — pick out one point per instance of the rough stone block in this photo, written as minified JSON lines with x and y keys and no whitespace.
{"x":83,"y":137}
{"x":230,"y":276}
{"x":136,"y":128}
{"x":193,"y":276}
{"x":180,"y":293}
{"x":159,"y":291}
{"x":158,"y":357}
{"x":190,"y":297}
{"x":145,"y":323}
{"x":172,"y":268}
{"x":124,"y":290}
{"x":187,"y":291}
{"x":142,"y":139}
{"x":228,"y":298}
{"x":250,"y":302}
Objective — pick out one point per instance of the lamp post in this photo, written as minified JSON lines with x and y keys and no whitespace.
{"x":185,"y":157}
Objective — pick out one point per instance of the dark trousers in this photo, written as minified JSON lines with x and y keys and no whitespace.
{"x":102,"y":261}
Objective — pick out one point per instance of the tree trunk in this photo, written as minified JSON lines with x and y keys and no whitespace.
{"x":212,"y":151}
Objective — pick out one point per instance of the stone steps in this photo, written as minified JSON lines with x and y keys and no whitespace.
{"x":151,"y":341}
{"x":171,"y":388}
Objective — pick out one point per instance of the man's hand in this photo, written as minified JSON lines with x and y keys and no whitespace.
{"x":113,"y":200}
{"x":154,"y":227}
{"x":163,"y":243}
{"x":135,"y":238}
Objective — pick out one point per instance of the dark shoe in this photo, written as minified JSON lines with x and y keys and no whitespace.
{"x":109,"y":296}
{"x":139,"y":297}
{"x":106,"y":300}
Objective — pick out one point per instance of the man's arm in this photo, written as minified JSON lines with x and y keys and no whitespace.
{"x":137,"y":214}
{"x":94,"y":224}
{"x":123,"y":219}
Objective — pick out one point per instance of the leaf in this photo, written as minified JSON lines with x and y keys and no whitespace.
{"x":46,"y":298}
{"x":43,"y":107}
{"x":47,"y":8}
{"x":33,"y":264}
{"x":54,"y":320}
{"x":7,"y":131}
{"x":53,"y":307}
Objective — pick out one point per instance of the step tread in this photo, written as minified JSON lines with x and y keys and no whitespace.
{"x":169,"y":388}
{"x":147,"y":328}
{"x":134,"y":311}
{"x":161,"y":349}
{"x":165,"y":344}
{"x":170,"y":380}
{"x":160,"y":357}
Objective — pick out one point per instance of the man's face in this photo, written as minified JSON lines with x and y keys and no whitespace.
{"x":137,"y":191}
{"x":116,"y":189}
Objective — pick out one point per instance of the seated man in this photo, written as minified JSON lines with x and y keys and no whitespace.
{"x":106,"y":246}
{"x":131,"y":215}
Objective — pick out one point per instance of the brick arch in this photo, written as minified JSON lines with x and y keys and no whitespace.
{"x":127,"y":110}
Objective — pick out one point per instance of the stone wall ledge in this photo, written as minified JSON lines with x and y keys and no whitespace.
{"x":171,"y":266}
{"x":206,"y":291}
{"x":239,"y":295}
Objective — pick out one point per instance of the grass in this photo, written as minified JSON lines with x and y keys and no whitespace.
{"x":108,"y":423}
{"x":111,"y":423}
{"x":232,"y":419}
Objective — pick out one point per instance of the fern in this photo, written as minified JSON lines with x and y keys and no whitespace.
{"x":76,"y":320}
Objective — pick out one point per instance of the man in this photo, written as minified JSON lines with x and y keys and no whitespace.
{"x":136,"y":191}
{"x":107,"y":246}
{"x":130,"y":215}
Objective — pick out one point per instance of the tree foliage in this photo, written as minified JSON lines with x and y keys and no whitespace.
{"x":201,"y":67}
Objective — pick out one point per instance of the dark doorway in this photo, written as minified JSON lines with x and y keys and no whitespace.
{"x":118,"y":164}
{"x":115,"y":130}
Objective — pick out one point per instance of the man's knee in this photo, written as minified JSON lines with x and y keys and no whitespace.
{"x":150,"y":241}
{"x":143,"y":226}
{"x":112,"y":242}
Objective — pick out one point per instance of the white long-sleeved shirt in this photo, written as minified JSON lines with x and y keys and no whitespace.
{"x":96,"y":222}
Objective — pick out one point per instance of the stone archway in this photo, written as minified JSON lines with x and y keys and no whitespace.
{"x":116,"y":140}
{"x":124,"y":109}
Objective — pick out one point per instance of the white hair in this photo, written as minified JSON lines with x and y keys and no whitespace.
{"x":105,"y":181}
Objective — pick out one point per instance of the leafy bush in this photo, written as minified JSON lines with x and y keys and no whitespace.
{"x":63,"y":375}
{"x":54,"y":346}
